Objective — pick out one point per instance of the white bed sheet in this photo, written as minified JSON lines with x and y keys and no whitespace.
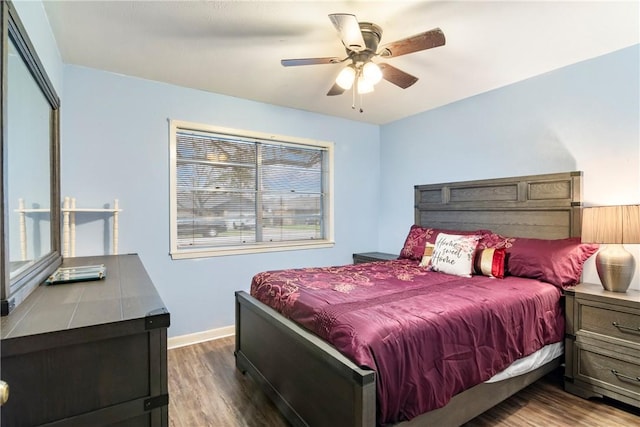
{"x":529,"y":363}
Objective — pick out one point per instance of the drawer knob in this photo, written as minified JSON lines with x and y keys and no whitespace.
{"x":626,"y":377}
{"x":4,"y":392}
{"x":626,"y":328}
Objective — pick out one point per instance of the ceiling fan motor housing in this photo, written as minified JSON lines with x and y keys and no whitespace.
{"x":372,"y":34}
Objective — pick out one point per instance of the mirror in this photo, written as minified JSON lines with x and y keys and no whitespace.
{"x":30,"y":172}
{"x":28,"y":191}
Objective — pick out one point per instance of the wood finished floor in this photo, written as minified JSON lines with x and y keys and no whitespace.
{"x":205,"y":389}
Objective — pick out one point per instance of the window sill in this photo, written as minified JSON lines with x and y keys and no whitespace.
{"x":248,"y":249}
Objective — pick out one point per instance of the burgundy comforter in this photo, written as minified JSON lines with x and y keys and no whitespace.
{"x":427,"y":335}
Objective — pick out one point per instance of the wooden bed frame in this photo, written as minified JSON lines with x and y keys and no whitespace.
{"x":313,"y":384}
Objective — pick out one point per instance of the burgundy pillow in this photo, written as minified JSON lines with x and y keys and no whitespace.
{"x":415,"y":242}
{"x":558,"y":262}
{"x":493,"y":240}
{"x":418,"y":237}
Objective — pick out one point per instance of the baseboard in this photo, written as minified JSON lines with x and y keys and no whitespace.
{"x":211,"y":334}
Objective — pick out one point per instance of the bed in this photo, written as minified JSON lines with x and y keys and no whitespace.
{"x":313,"y":383}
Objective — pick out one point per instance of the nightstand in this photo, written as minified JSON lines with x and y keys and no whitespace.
{"x":602,"y":343}
{"x":372,"y":256}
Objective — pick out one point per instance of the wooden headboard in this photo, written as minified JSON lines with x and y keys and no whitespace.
{"x":544,"y":206}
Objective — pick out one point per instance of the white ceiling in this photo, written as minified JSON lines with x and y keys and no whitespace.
{"x":234,"y":47}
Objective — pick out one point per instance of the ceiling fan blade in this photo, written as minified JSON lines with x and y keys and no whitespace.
{"x":335,"y":90}
{"x":397,"y":76}
{"x":349,"y":31}
{"x":309,"y":61}
{"x":427,"y":40}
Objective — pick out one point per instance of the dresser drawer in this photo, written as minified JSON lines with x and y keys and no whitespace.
{"x":610,"y":321}
{"x":610,"y":368}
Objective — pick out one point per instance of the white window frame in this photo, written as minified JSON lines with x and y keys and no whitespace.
{"x":258,"y":247}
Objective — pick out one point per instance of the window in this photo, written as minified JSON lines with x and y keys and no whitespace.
{"x":235,"y":191}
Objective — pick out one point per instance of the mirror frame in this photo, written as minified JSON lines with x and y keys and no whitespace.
{"x":14,"y":291}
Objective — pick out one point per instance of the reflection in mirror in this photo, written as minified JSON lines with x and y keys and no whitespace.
{"x":28,"y":168}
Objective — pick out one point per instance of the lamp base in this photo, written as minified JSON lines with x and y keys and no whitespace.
{"x":615,"y":268}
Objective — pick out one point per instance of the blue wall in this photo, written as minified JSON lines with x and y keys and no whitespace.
{"x":582,"y":117}
{"x":115,"y":144}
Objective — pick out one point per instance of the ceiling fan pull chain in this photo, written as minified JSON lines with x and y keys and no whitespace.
{"x":353,"y":97}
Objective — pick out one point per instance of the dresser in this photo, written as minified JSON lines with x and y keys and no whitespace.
{"x":602,"y":344}
{"x":372,"y":256}
{"x":88,"y":353}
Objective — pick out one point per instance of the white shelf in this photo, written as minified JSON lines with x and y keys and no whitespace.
{"x":69,"y":211}
{"x":90,"y":210}
{"x":40,"y":210}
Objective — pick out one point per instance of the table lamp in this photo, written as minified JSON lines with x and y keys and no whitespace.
{"x":613,"y":226}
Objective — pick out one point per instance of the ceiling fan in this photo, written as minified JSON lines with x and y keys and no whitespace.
{"x":361,"y":40}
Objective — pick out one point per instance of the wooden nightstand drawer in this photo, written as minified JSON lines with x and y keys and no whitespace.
{"x":610,"y":321}
{"x":610,"y":369}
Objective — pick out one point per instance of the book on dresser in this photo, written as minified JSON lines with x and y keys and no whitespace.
{"x":602,"y":344}
{"x":88,"y":353}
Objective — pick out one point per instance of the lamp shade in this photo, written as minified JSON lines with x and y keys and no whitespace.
{"x":346,"y":77}
{"x":371,"y":73}
{"x":611,"y":224}
{"x":364,"y":86}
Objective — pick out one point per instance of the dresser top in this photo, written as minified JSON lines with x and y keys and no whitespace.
{"x":126,"y":293}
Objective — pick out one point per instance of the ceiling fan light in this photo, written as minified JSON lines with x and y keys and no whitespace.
{"x":346,"y":77}
{"x":371,"y":73}
{"x":364,"y":86}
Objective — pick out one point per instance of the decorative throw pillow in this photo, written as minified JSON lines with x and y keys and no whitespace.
{"x":428,"y":252}
{"x":453,"y":254}
{"x":418,"y":237}
{"x":413,"y":247}
{"x":490,"y":262}
{"x":558,"y":262}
